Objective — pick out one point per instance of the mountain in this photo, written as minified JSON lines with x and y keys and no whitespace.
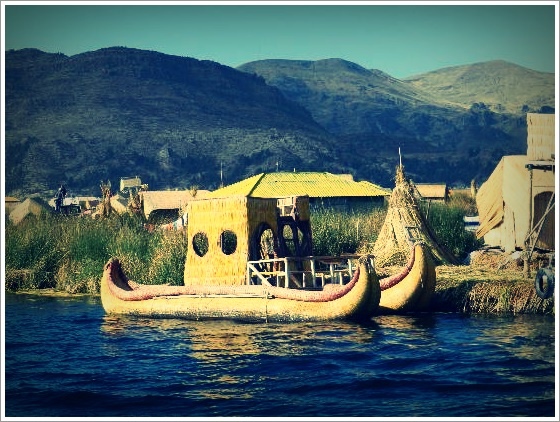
{"x":445,"y":138}
{"x":179,"y":122}
{"x":501,"y":86}
{"x":339,"y":94}
{"x":175,"y":121}
{"x":343,"y":97}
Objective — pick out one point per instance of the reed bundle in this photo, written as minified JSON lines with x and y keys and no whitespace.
{"x":404,"y":223}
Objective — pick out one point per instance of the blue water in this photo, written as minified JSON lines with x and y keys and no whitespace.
{"x":65,"y":358}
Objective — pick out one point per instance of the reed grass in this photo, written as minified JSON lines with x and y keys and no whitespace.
{"x":31,"y":255}
{"x":167,"y":263}
{"x":339,"y":232}
{"x":446,"y":221}
{"x":68,"y":254}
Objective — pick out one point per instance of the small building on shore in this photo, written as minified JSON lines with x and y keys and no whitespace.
{"x":130,"y":184}
{"x":165,"y":206}
{"x":119,"y":203}
{"x":437,"y":192}
{"x":30,"y":207}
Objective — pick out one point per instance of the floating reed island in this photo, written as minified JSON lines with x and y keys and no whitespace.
{"x":488,"y":285}
{"x":52,"y":256}
{"x":464,"y":289}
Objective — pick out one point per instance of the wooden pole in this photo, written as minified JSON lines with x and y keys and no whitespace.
{"x":526,"y":252}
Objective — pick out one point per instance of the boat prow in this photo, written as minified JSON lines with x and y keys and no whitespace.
{"x":412,"y":288}
{"x":357,"y":299}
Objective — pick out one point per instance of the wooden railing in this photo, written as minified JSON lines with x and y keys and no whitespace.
{"x":317,"y":271}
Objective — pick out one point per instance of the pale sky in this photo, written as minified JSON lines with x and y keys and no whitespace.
{"x":399,"y":38}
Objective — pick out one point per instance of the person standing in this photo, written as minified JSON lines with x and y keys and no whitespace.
{"x":60,"y":195}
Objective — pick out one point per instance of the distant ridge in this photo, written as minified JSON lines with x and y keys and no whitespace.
{"x":180,"y":122}
{"x":504,"y":87}
{"x":452,"y":138}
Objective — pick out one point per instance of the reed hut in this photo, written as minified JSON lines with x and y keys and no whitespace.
{"x":437,"y":192}
{"x":224,"y":233}
{"x":119,"y":204}
{"x":404,"y":224}
{"x":130,"y":184}
{"x":10,"y":203}
{"x":31,"y":206}
{"x":165,"y":206}
{"x":512,"y":201}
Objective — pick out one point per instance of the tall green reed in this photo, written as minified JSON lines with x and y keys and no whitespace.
{"x":337,"y":232}
{"x":68,"y":253}
{"x":447,"y":223}
{"x":32,"y":254}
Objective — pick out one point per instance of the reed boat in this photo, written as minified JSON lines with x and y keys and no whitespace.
{"x":412,"y":288}
{"x":355,"y":300}
{"x":251,"y":259}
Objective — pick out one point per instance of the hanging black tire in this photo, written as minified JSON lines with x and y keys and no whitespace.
{"x":544,"y":283}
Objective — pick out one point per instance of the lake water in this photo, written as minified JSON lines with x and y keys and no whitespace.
{"x":65,"y":358}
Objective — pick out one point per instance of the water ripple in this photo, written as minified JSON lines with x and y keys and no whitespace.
{"x":66,"y":358}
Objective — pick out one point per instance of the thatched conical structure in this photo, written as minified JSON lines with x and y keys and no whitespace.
{"x":404,"y":225}
{"x":105,"y":208}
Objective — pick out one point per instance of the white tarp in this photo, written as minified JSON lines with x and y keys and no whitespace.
{"x":504,"y":203}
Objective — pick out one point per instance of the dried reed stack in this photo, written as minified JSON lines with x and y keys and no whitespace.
{"x":405,"y":223}
{"x":105,"y":209}
{"x":487,"y":289}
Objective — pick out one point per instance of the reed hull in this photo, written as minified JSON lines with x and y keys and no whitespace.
{"x":415,"y":290}
{"x":360,"y":302}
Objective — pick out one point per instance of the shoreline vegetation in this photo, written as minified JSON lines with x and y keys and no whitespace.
{"x":59,"y":255}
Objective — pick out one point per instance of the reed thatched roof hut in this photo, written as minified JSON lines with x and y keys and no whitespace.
{"x":31,"y":206}
{"x":10,"y":203}
{"x":405,"y":224}
{"x":168,"y":203}
{"x":119,"y":203}
{"x":432,"y":191}
{"x":512,"y":201}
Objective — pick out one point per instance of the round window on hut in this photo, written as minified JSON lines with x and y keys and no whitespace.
{"x":200,"y":243}
{"x":228,"y":242}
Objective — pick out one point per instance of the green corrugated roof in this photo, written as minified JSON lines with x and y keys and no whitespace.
{"x":313,"y":184}
{"x":242,"y":188}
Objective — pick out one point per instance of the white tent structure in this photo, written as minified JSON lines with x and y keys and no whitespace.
{"x":515,"y":204}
